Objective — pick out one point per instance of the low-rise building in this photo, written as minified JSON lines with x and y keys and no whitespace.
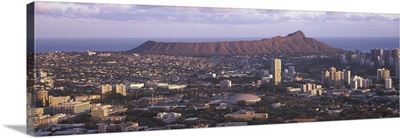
{"x":59,"y":99}
{"x":113,"y":118}
{"x":168,"y":117}
{"x":87,"y":97}
{"x":248,"y":115}
{"x":72,"y":108}
{"x":123,"y":127}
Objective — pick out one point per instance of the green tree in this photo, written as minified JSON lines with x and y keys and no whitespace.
{"x":241,"y":104}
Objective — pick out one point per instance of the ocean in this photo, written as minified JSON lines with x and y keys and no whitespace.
{"x":122,"y":44}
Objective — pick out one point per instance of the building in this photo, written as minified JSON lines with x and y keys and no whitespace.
{"x":353,"y":58}
{"x":343,"y":59}
{"x":387,"y":54}
{"x":339,"y":78}
{"x":388,"y":83}
{"x":99,"y":111}
{"x":332,"y":72}
{"x":367,"y":83}
{"x":123,"y":127}
{"x":60,"y":99}
{"x":247,"y":115}
{"x":325,"y":77}
{"x":376,"y":55}
{"x":382,"y":74}
{"x":136,"y":86}
{"x":211,"y":75}
{"x":168,"y":117}
{"x":38,"y":111}
{"x":353,"y":84}
{"x":359,"y":54}
{"x":225,"y":84}
{"x":72,"y":108}
{"x":113,"y":118}
{"x":250,"y":98}
{"x":292,"y":70}
{"x":106,"y":88}
{"x":276,"y":68}
{"x":87,"y":97}
{"x":121,"y":88}
{"x":106,"y":110}
{"x":397,"y":66}
{"x":347,"y":76}
{"x":42,"y":97}
{"x":48,"y":120}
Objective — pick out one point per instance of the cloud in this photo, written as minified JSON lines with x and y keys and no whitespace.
{"x":120,"y":12}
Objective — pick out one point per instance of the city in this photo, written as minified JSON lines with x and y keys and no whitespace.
{"x":101,"y":92}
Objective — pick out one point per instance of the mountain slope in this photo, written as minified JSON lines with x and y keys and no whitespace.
{"x":293,"y":43}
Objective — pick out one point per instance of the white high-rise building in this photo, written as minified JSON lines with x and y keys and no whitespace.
{"x":276,"y":67}
{"x":347,"y":76}
{"x":388,"y":83}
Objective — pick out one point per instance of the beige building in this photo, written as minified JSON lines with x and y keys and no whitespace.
{"x":72,"y":108}
{"x":276,"y":67}
{"x":38,"y":111}
{"x":87,"y":97}
{"x":60,"y":99}
{"x":382,"y":74}
{"x":42,"y":96}
{"x":106,"y":88}
{"x":339,"y":78}
{"x":121,"y":88}
{"x":100,"y":111}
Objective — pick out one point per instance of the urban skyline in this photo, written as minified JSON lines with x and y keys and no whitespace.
{"x":180,"y":85}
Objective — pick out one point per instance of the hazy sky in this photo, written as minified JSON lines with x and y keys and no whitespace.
{"x":78,"y":20}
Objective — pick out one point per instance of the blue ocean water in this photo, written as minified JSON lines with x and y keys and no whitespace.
{"x":121,"y":44}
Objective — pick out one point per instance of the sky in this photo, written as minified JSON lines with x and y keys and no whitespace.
{"x":88,"y":20}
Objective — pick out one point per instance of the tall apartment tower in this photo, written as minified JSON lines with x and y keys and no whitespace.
{"x":121,"y":88}
{"x":338,"y":78}
{"x":106,"y":88}
{"x":325,"y":77}
{"x":276,"y":67}
{"x":388,"y":83}
{"x":347,"y":75}
{"x":397,"y":66}
{"x":382,"y":74}
{"x":387,"y":54}
{"x":332,"y":72}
